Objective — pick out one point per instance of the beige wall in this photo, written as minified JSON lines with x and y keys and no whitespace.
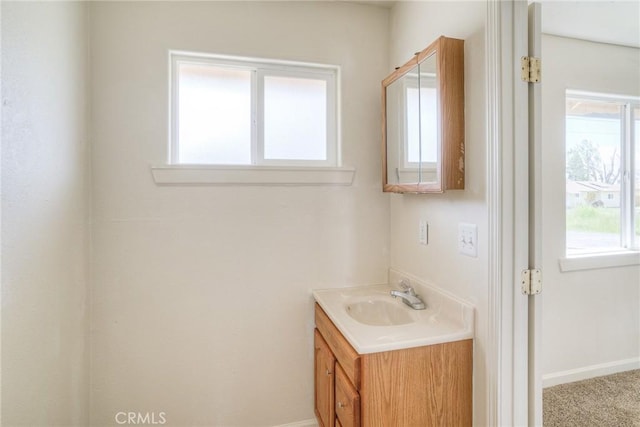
{"x":593,"y":316}
{"x":201,"y":294}
{"x":413,"y":26}
{"x":44,"y":215}
{"x":201,"y":304}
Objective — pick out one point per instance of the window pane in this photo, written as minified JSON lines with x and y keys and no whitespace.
{"x":214,"y":107}
{"x":295,"y":118}
{"x":593,"y":174}
{"x":429,"y":123}
{"x":427,"y":108}
{"x":413,"y":130}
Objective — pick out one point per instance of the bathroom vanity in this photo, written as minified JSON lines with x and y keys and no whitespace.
{"x":380,"y":363}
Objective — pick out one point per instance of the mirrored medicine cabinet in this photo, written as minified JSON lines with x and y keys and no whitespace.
{"x":423,"y":121}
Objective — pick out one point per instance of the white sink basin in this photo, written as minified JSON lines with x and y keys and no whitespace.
{"x":378,"y":313}
{"x":373,"y":321}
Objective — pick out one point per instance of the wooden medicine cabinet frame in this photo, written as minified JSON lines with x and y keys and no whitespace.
{"x":450,"y":103}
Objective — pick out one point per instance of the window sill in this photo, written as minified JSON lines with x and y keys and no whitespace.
{"x":597,"y":261}
{"x":252,"y":175}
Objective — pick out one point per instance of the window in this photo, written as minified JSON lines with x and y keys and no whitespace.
{"x":602,"y":173}
{"x":237,"y":111}
{"x":421,"y":112}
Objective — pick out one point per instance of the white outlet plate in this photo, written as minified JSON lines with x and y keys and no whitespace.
{"x":468,"y":239}
{"x":423,"y":232}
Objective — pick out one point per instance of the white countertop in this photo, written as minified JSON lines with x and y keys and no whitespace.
{"x":446,"y":318}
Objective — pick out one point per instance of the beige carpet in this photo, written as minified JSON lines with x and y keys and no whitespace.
{"x":609,"y":401}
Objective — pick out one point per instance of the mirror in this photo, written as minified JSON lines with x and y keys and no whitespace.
{"x":423,"y":123}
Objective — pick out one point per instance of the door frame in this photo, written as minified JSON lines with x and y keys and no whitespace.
{"x":535,"y":219}
{"x":508,"y":212}
{"x":1,"y":142}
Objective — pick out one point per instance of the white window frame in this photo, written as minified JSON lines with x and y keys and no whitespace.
{"x":629,"y":244}
{"x":261,"y":68}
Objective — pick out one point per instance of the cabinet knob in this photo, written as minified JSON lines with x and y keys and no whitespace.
{"x":340,"y":405}
{"x":328,"y":372}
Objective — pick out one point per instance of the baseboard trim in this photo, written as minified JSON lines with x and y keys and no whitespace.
{"x":588,"y":372}
{"x":305,"y":423}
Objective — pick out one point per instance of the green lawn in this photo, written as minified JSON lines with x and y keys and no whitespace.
{"x":601,"y":220}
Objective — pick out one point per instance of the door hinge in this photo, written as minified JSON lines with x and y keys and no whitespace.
{"x":530,"y":69}
{"x":531,"y":281}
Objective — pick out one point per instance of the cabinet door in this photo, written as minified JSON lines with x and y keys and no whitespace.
{"x":347,"y":400}
{"x":325,"y":364}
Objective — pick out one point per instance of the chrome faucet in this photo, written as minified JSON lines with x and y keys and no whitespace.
{"x":409,"y":296}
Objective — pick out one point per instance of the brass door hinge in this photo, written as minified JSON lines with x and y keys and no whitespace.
{"x":531,"y":282}
{"x":531,"y":69}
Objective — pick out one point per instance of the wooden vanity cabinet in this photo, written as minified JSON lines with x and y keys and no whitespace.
{"x":347,"y":400}
{"x":420,"y":386}
{"x":325,"y":364}
{"x":337,"y":376}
